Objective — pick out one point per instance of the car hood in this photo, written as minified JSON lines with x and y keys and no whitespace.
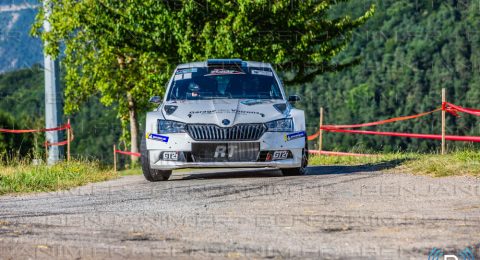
{"x":225,"y":112}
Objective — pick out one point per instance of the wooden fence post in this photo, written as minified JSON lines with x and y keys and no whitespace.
{"x":114,"y":158}
{"x":444,"y":99}
{"x":320,"y":133}
{"x":69,"y":139}
{"x":46,"y":152}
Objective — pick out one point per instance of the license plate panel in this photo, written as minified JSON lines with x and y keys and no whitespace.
{"x":170,"y":156}
{"x":280,"y":155}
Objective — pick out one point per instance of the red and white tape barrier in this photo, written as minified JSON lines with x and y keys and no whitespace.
{"x":448,"y":107}
{"x":22,"y":131}
{"x":128,"y":153}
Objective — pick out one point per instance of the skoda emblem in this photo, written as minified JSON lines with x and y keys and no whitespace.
{"x":225,"y":122}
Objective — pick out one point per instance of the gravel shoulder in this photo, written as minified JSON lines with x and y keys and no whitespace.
{"x":334,"y":212}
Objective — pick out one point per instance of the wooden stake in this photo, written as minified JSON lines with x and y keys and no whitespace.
{"x":320,"y":135}
{"x":444,"y":99}
{"x":68,"y":141}
{"x":114,"y":158}
{"x":46,"y":152}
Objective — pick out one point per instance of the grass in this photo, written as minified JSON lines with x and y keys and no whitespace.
{"x":457,"y":163}
{"x":131,"y":171}
{"x":351,"y":160}
{"x":22,"y":177}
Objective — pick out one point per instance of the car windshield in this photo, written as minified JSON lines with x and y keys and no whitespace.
{"x":224,"y":82}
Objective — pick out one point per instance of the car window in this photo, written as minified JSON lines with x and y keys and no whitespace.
{"x":224,"y":82}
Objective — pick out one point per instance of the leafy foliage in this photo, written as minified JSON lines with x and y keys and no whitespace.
{"x":410,"y":51}
{"x":406,"y":53}
{"x":114,"y":49}
{"x":297,"y":36}
{"x":22,"y":106}
{"x":126,"y":50}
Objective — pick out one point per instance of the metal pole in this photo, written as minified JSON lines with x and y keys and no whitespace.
{"x":320,"y":133}
{"x":444,"y":99}
{"x":53,"y":104}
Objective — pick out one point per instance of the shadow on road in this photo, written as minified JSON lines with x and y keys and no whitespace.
{"x":230,"y":173}
{"x":336,"y":169}
{"x":262,"y":173}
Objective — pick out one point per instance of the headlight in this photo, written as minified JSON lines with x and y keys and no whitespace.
{"x":282,"y":125}
{"x":168,"y":127}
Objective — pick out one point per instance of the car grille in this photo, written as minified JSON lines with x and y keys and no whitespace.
{"x":226,"y":152}
{"x":240,"y":132}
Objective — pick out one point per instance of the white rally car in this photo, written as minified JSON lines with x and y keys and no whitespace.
{"x":224,"y":113}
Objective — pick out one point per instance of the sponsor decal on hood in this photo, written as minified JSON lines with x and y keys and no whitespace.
{"x":225,"y":111}
{"x":213,"y":111}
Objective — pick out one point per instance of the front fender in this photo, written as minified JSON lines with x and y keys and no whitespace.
{"x":151,"y":125}
{"x":298,"y":119}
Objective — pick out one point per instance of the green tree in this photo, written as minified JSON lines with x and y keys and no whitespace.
{"x":125,"y":50}
{"x":118,"y":49}
{"x":298,"y":36}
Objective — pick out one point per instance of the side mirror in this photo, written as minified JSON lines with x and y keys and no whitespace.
{"x":294,"y":98}
{"x":155,"y":100}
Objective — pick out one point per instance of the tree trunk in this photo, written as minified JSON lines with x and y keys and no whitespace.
{"x":133,"y":128}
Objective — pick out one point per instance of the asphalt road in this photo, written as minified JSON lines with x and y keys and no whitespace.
{"x":331,"y":213}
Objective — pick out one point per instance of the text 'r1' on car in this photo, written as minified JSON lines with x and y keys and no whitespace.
{"x":224,"y":113}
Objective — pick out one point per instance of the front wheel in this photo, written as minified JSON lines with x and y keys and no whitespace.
{"x":149,"y":173}
{"x":301,"y":170}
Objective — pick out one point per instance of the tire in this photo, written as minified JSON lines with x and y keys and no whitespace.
{"x":149,"y":173}
{"x":301,"y":170}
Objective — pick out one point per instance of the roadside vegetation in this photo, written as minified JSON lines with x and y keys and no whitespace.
{"x":22,"y":176}
{"x":457,"y":163}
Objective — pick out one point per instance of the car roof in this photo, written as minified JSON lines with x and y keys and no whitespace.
{"x":204,"y":64}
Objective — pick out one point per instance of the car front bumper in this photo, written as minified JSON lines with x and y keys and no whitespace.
{"x":182,"y":143}
{"x":171,"y":165}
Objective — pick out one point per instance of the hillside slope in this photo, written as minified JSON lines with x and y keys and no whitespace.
{"x":409,"y":52}
{"x":17,"y":48}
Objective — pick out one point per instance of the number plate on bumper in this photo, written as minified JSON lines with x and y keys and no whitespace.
{"x":225,"y":152}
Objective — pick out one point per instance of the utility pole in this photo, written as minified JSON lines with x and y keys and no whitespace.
{"x":53,"y":96}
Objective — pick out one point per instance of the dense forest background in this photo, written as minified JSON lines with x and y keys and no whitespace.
{"x":95,"y":128}
{"x":407,"y":53}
